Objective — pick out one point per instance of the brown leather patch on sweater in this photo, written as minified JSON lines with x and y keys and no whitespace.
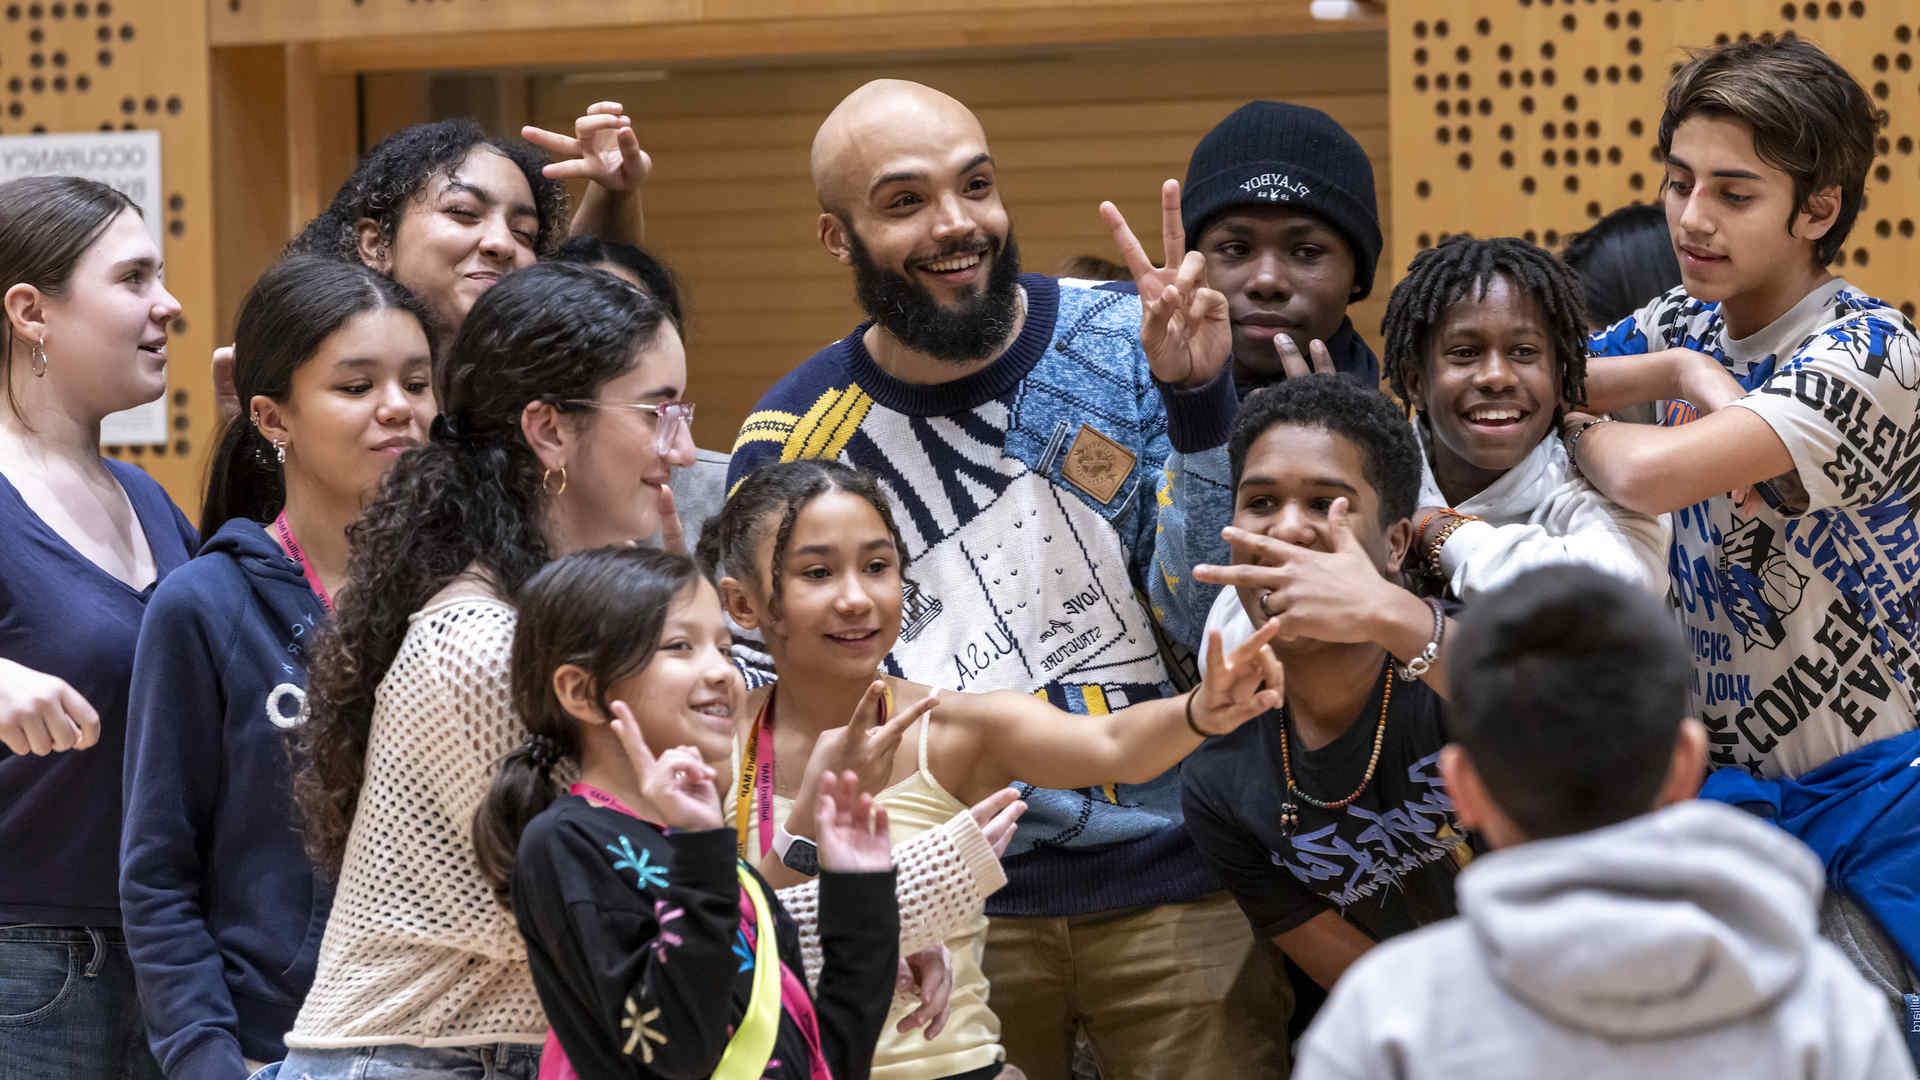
{"x":1097,"y":465}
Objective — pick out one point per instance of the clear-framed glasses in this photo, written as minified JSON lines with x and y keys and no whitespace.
{"x":669,"y":417}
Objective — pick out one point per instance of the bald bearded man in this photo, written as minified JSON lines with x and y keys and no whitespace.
{"x":1019,"y":428}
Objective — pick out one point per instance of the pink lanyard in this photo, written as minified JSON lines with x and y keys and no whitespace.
{"x":293,"y":549}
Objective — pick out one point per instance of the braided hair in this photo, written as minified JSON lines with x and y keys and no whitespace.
{"x":1446,"y":274}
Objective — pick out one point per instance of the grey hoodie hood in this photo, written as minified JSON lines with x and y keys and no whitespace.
{"x":1669,"y":923}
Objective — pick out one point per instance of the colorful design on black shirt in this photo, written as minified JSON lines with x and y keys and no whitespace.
{"x":646,"y":873}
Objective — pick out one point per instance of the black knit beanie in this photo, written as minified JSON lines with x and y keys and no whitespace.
{"x":1269,"y":152}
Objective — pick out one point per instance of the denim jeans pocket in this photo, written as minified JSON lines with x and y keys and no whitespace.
{"x":36,"y":977}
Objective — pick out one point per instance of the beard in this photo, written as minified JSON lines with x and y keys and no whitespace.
{"x":908,"y":311}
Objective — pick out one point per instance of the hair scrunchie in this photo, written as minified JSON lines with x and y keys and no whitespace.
{"x":542,"y":750}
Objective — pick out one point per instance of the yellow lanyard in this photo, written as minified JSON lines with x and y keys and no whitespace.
{"x":751,"y":1047}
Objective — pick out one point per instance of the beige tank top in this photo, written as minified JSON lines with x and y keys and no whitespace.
{"x":971,"y":1039}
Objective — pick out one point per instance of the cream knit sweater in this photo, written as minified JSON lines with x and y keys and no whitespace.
{"x":417,"y":951}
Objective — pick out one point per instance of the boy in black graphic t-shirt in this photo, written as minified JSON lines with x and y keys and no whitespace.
{"x":1327,"y":818}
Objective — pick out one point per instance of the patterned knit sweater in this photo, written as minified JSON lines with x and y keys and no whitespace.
{"x":1036,"y":511}
{"x":417,"y":951}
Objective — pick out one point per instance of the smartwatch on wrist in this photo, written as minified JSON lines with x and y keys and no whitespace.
{"x":797,"y":853}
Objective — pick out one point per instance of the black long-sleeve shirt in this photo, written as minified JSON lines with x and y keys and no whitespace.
{"x":636,"y":950}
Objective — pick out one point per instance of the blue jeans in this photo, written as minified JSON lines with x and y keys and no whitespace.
{"x":68,"y":1007}
{"x":501,"y":1061}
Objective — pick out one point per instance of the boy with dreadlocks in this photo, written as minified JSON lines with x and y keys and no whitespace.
{"x":1486,"y":340}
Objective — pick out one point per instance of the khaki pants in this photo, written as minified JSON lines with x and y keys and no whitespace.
{"x":1163,"y":993}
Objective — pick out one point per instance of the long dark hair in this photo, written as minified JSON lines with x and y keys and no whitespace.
{"x":46,"y":224}
{"x":288,"y":314}
{"x":1623,"y":261}
{"x":728,"y":540}
{"x":471,"y":497}
{"x":602,"y":611}
{"x":653,"y":274}
{"x":393,"y":172}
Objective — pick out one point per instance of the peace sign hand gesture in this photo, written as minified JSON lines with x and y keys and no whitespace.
{"x":866,"y":745}
{"x":1183,"y":323}
{"x":1241,"y":684}
{"x":603,"y":149}
{"x":677,"y":785}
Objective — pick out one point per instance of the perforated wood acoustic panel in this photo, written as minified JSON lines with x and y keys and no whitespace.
{"x":1535,"y":117}
{"x":109,"y":65}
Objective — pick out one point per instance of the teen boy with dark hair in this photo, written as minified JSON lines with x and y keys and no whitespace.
{"x":1798,"y":589}
{"x":1608,"y":937}
{"x":1799,"y":599}
{"x":1326,"y":818}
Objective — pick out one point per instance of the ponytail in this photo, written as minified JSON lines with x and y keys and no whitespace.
{"x":523,"y":786}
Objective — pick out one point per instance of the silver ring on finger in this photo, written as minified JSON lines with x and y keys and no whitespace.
{"x":1262,"y":603}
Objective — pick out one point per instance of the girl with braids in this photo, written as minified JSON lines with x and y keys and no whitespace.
{"x":655,"y":950}
{"x":1486,"y":341}
{"x":83,"y":334}
{"x":812,"y":560}
{"x":333,"y":362}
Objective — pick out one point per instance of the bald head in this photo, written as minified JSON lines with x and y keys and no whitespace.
{"x":887,"y":128}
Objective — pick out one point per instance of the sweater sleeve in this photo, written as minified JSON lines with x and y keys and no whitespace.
{"x":657,"y":976}
{"x":170,"y":785}
{"x":943,"y":878}
{"x":1193,"y":501}
{"x":860,"y":940}
{"x":1576,"y":524}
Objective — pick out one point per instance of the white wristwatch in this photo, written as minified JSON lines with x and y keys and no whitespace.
{"x":797,"y":853}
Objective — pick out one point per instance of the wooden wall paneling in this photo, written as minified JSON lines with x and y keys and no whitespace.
{"x":106,"y":65}
{"x":1533,"y":118}
{"x":731,"y":207}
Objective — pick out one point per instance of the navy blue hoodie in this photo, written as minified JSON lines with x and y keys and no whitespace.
{"x":223,"y":912}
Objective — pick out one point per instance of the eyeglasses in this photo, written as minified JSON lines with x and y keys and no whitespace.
{"x":668,"y":416}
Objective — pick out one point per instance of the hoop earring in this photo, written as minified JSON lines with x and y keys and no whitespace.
{"x":37,"y":359}
{"x":279,"y":451}
{"x":547,"y":476}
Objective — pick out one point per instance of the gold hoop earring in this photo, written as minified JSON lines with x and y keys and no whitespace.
{"x":37,"y":359}
{"x":546,"y":482}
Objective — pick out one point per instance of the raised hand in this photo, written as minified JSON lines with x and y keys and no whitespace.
{"x":928,"y":975}
{"x":1183,"y":323}
{"x":1239,"y":685}
{"x":40,"y":714}
{"x":866,"y":745}
{"x":677,"y":785}
{"x":1320,"y":362}
{"x":603,"y":149}
{"x":996,"y":815}
{"x":1321,"y":595}
{"x":852,"y":828}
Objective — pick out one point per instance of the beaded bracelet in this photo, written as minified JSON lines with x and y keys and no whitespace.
{"x":1434,"y":569}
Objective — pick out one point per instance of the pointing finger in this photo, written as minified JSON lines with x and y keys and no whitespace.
{"x":1173,"y":235}
{"x":1291,"y":361}
{"x":1321,"y":359}
{"x":1128,"y":245}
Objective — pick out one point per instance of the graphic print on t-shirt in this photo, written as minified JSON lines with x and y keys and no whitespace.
{"x":1801,"y":616}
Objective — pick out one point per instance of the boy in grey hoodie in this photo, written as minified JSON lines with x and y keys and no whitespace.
{"x":1622,"y":929}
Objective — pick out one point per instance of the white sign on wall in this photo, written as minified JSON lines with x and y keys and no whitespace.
{"x":128,"y":162}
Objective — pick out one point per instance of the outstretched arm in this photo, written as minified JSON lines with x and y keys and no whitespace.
{"x":988,"y":740}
